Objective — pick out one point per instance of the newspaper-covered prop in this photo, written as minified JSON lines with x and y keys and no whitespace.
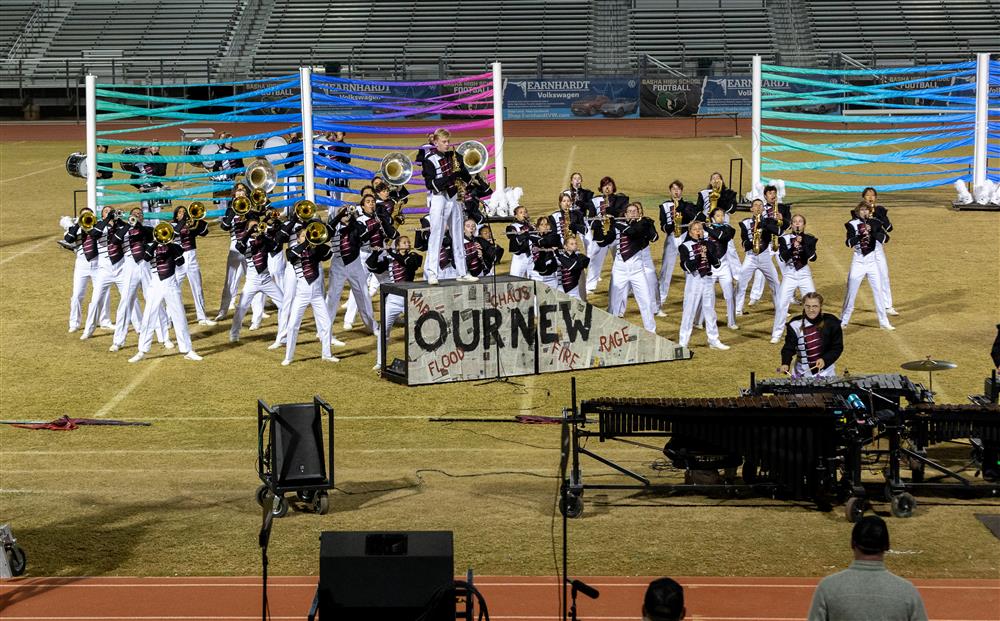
{"x":502,"y":204}
{"x":756,"y":192}
{"x":964,"y":196}
{"x":780,"y":185}
{"x":985,"y":193}
{"x":459,"y":332}
{"x":996,"y":194}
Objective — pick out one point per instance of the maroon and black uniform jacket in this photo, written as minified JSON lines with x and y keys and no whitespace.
{"x":164,"y":258}
{"x":686,"y":210}
{"x":720,"y":235}
{"x":136,"y":238}
{"x":399,"y":267}
{"x":188,"y":233}
{"x":693,"y":261}
{"x":351,"y":235}
{"x":823,"y":338}
{"x":632,"y":236}
{"x":422,"y":235}
{"x":440,"y":172}
{"x":518,"y":237}
{"x":863,"y":234}
{"x":306,"y":260}
{"x":570,"y":266}
{"x":800,"y":258}
{"x":768,"y":229}
{"x":543,"y":256}
{"x":76,"y":236}
{"x":256,"y":249}
{"x":108,"y":233}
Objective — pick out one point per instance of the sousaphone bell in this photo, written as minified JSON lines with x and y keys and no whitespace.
{"x":396,"y":168}
{"x":261,"y":174}
{"x":474,"y":155}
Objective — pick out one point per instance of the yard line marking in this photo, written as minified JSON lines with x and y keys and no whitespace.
{"x":31,"y":173}
{"x":30,"y":248}
{"x":124,"y":392}
{"x":415,"y":449}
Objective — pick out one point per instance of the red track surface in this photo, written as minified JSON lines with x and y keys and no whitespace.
{"x":509,"y":598}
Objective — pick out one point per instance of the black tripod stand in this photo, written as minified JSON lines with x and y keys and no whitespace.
{"x":500,"y":378}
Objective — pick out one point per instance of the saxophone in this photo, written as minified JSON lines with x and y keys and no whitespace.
{"x":564,"y":225}
{"x":677,"y":219}
{"x":713,"y":200}
{"x":459,"y":184}
{"x":755,"y":238}
{"x":777,"y":216}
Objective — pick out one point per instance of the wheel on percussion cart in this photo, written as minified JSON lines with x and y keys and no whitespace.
{"x":571,"y":505}
{"x":903,"y":505}
{"x":854,"y":508}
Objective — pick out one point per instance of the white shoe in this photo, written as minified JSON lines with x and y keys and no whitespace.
{"x":774,"y":340}
{"x":467,"y":278}
{"x":234,"y":338}
{"x":348,"y":326}
{"x":168,"y":344}
{"x":432,"y":281}
{"x":192,"y":356}
{"x":891,"y":311}
{"x":113,"y":347}
{"x":337,"y":342}
{"x":739,"y":313}
{"x":331,"y":358}
{"x":887,"y":327}
{"x":136,"y":358}
{"x":752,"y":302}
{"x":107,"y":326}
{"x":717,"y":345}
{"x":220,"y":316}
{"x":285,"y":363}
{"x":86,"y":335}
{"x":377,"y":367}
{"x":660,"y":314}
{"x":265,"y":315}
{"x":254,"y":326}
{"x":207,"y":322}
{"x":275,"y":345}
{"x":73,"y":329}
{"x":733,"y":327}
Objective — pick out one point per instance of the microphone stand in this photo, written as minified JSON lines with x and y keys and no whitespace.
{"x":264,"y":539}
{"x":499,"y":378}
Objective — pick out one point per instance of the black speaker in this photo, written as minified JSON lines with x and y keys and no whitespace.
{"x":332,"y":68}
{"x":298,"y":456}
{"x":386,"y":576}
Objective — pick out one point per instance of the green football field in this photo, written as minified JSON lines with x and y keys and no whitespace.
{"x":177,"y":497}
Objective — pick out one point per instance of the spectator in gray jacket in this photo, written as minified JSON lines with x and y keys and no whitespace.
{"x":866,"y":589}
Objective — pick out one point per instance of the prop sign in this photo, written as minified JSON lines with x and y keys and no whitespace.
{"x":457,"y":332}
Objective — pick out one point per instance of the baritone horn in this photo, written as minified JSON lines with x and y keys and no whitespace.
{"x":241,"y":205}
{"x":258,"y":197}
{"x":305,"y":210}
{"x":163,"y":233}
{"x":317,"y":233}
{"x":261,"y":174}
{"x":197,"y":211}
{"x":87,"y":220}
{"x":396,"y":168}
{"x":474,"y":155}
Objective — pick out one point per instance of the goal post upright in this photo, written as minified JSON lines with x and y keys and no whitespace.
{"x":305,"y":92}
{"x":755,"y":123}
{"x":982,"y":117}
{"x":501,"y":174}
{"x":91,"y":107}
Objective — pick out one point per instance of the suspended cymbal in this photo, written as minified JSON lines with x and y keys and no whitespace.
{"x":928,"y":365}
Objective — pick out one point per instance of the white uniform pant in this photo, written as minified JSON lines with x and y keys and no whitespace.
{"x":752,"y":262}
{"x":733,"y":259}
{"x":351,"y":312}
{"x":107,"y":275}
{"x":757,"y":289}
{"x":724,"y":277}
{"x":699,"y":295}
{"x":883,"y":274}
{"x":864,"y":267}
{"x":137,"y":275}
{"x":236,"y":267}
{"x":394,"y":307}
{"x":596,"y":253}
{"x":191,"y":271}
{"x":164,"y":292}
{"x":791,"y":280}
{"x":631,"y":275}
{"x":255,"y":283}
{"x":520,"y":264}
{"x":288,"y":286}
{"x":308,"y":295}
{"x":444,"y":213}
{"x":355,"y":275}
{"x":667,"y":266}
{"x":84,"y":271}
{"x":654,"y":285}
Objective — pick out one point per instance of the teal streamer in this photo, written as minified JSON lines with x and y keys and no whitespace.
{"x":901,"y":157}
{"x":135,"y":197}
{"x":215,"y":157}
{"x":876,"y":143}
{"x":897,"y":187}
{"x":183,"y":143}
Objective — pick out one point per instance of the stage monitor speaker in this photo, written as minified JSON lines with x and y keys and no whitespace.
{"x":298,"y":458}
{"x":386,"y":576}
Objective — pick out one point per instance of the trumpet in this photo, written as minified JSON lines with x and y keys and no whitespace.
{"x":260,"y":229}
{"x":133,"y":220}
{"x":197,"y":211}
{"x":163,"y":233}
{"x":87,"y":220}
{"x":317,"y":233}
{"x":305,"y":210}
{"x":242,"y":205}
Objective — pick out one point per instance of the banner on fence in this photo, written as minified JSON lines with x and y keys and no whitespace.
{"x":684,"y":97}
{"x":571,"y":98}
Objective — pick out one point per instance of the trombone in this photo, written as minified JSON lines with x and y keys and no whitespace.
{"x":317,"y":233}
{"x":87,"y":220}
{"x":305,"y":210}
{"x":163,"y":233}
{"x":196,"y":211}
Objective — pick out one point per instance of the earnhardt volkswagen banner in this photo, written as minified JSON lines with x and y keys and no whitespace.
{"x":571,"y":98}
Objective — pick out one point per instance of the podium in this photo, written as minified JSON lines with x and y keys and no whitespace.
{"x":506,"y":327}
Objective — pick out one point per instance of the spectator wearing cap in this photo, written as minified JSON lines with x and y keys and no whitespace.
{"x":866,"y":589}
{"x":664,"y":601}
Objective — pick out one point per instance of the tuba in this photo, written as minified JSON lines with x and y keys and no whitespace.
{"x":474,"y":155}
{"x":305,"y":210}
{"x":396,"y":169}
{"x":317,"y":233}
{"x":87,"y":220}
{"x":163,"y":233}
{"x":260,"y":174}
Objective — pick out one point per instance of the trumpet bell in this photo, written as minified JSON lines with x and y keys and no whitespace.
{"x":87,"y":220}
{"x":305,"y":209}
{"x":163,"y":233}
{"x":197,"y":210}
{"x":261,"y":174}
{"x":317,"y":233}
{"x":396,"y":168}
{"x":474,"y":155}
{"x":242,"y":205}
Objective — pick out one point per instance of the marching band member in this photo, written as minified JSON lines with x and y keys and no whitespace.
{"x":343,"y":156}
{"x":135,"y":237}
{"x":720,"y":235}
{"x":608,"y":204}
{"x":629,"y":271}
{"x":422,"y":152}
{"x":477,"y":259}
{"x":164,"y":257}
{"x":381,"y":234}
{"x":583,"y":199}
{"x":222,"y":169}
{"x":84,"y":269}
{"x":567,"y":221}
{"x":348,"y":236}
{"x":492,"y":252}
{"x":756,"y":233}
{"x":675,"y":216}
{"x":443,"y":173}
{"x":475,"y":192}
{"x":306,"y":259}
{"x":398,"y":265}
{"x":255,"y":244}
{"x":544,"y":243}
{"x":570,"y":265}
{"x":880,"y":213}
{"x":110,"y":268}
{"x":815,"y":338}
{"x":519,"y":243}
{"x":698,"y":258}
{"x":863,"y":232}
{"x":188,"y":230}
{"x":718,"y":195}
{"x":235,"y":264}
{"x":284,"y":233}
{"x":782,"y":213}
{"x":796,"y":249}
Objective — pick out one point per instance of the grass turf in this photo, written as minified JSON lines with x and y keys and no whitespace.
{"x":177,"y":497}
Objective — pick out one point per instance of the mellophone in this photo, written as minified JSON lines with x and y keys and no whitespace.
{"x":803,"y":439}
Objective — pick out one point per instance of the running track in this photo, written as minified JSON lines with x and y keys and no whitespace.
{"x":509,"y":598}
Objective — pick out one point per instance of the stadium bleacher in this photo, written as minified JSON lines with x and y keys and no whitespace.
{"x":14,"y":15}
